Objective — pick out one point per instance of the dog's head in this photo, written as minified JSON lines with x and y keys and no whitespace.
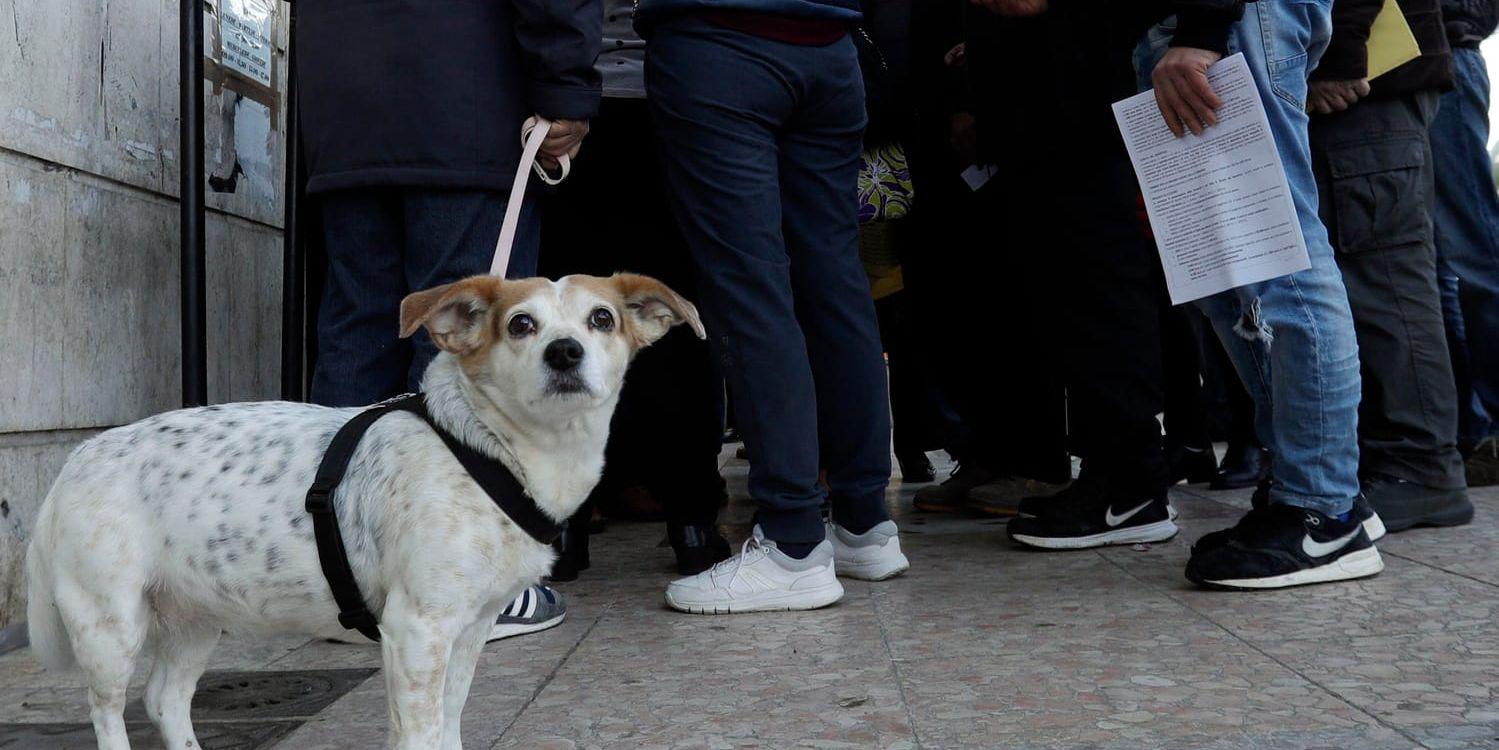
{"x":548,"y":347}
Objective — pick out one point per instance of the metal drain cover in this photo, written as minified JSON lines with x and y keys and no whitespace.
{"x":213,"y":736}
{"x":247,"y":696}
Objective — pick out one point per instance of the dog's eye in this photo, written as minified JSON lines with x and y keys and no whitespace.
{"x":602,"y":319}
{"x":521,"y":325}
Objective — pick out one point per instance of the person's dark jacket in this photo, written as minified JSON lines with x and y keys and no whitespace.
{"x":651,"y":12}
{"x":1041,"y":88}
{"x":1469,"y":22}
{"x":1347,"y":55}
{"x":418,"y":93}
{"x":1203,"y":24}
{"x":884,"y":44}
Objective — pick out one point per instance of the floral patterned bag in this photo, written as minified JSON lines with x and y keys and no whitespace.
{"x":884,"y":178}
{"x":885,"y":189}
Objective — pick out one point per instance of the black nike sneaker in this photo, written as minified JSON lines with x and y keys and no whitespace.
{"x":1277,"y":546}
{"x":1362,"y":511}
{"x":1092,"y":514}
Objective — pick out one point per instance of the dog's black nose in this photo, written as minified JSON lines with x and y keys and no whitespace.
{"x":563,"y":354}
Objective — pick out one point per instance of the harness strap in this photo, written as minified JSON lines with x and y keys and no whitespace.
{"x":491,"y":476}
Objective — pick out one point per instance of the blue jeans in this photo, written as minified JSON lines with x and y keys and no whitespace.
{"x":1466,"y":220}
{"x":1291,"y":339}
{"x":383,"y":244}
{"x":761,"y":143}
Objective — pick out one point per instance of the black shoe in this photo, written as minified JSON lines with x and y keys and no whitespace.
{"x":1091,"y":514}
{"x":698,"y":546}
{"x":1362,"y":512}
{"x":1194,"y":465}
{"x":1281,"y":545}
{"x":1483,"y":464}
{"x":572,"y":552}
{"x":952,"y":495}
{"x":916,"y":469}
{"x":1404,"y":505}
{"x":1243,"y":466}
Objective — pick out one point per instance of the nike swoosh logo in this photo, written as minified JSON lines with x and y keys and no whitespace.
{"x":1323,"y":549}
{"x":1113,"y":520}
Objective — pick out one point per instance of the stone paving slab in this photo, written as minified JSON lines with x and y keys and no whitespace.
{"x":981,"y":646}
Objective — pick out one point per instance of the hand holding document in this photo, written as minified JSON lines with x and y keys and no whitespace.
{"x":1219,"y":203}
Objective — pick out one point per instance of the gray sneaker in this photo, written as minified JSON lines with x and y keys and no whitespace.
{"x":537,"y":608}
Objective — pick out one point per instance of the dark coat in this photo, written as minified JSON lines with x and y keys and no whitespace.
{"x":1041,"y":88}
{"x":650,"y":12}
{"x":432,"y":93}
{"x":1347,"y":55}
{"x":1469,"y":22}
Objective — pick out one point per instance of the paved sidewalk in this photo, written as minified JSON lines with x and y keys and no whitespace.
{"x":981,"y":645}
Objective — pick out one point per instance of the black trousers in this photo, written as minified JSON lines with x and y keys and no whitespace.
{"x":1070,"y":234}
{"x":980,"y":335}
{"x":612,"y":215}
{"x":1204,"y":399}
{"x":1375,"y":181}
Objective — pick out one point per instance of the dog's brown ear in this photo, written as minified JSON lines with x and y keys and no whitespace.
{"x":454,"y":314}
{"x":654,"y":308}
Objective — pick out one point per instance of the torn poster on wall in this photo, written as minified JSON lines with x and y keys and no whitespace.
{"x":239,"y":52}
{"x":245,"y":33}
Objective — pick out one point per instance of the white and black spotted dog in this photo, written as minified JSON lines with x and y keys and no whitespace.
{"x":160,"y":535}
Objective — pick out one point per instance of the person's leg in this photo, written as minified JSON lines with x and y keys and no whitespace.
{"x":1102,"y":269}
{"x":1374,"y":182}
{"x":818,"y":160}
{"x":1473,"y":425}
{"x":1466,"y":224}
{"x":907,"y":400}
{"x":1113,"y":349}
{"x":450,"y":235}
{"x":1292,"y":341}
{"x":360,"y":361}
{"x":1295,"y":333}
{"x":1185,"y":414}
{"x":717,"y":103}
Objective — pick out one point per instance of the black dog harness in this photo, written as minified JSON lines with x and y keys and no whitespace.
{"x":491,"y":476}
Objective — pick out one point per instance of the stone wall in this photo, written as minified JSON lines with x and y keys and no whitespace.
{"x":89,"y":261}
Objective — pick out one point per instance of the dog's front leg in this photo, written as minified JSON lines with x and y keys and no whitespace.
{"x":461,"y":675}
{"x":416,"y":648}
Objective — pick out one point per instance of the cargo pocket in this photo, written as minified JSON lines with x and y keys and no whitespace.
{"x":1379,"y":195}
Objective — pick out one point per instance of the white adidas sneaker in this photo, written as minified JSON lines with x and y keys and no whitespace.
{"x":760,"y":578}
{"x":872,"y":556}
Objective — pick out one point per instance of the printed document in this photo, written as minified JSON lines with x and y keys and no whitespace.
{"x":1219,"y":204}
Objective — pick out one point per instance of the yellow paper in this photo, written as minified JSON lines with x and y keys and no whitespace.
{"x":1391,"y":43}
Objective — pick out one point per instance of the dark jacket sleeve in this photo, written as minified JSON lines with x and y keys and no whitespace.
{"x":559,"y":41}
{"x":1470,"y":21}
{"x":1347,"y":55}
{"x":1205,"y":24}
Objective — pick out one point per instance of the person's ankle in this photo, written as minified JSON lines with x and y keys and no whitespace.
{"x":797,"y":550}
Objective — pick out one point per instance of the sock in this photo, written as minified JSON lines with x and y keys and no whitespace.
{"x":796,"y":550}
{"x":858,"y":520}
{"x":1344,"y":516}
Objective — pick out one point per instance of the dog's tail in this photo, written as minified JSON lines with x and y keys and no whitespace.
{"x":49,"y":636}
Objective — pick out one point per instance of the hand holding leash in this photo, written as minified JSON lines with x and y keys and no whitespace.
{"x":542,"y":141}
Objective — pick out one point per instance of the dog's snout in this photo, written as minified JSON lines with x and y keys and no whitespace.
{"x":563,"y":354}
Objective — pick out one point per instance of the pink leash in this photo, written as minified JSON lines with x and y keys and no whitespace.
{"x":532,"y":134}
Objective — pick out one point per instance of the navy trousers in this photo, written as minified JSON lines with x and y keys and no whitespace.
{"x":383,"y":244}
{"x":761,"y":141}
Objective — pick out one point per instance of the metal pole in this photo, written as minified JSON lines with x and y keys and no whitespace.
{"x":194,"y":294}
{"x":293,"y":280}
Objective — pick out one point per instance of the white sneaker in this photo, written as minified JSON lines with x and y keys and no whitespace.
{"x":872,"y":556}
{"x":760,"y":578}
